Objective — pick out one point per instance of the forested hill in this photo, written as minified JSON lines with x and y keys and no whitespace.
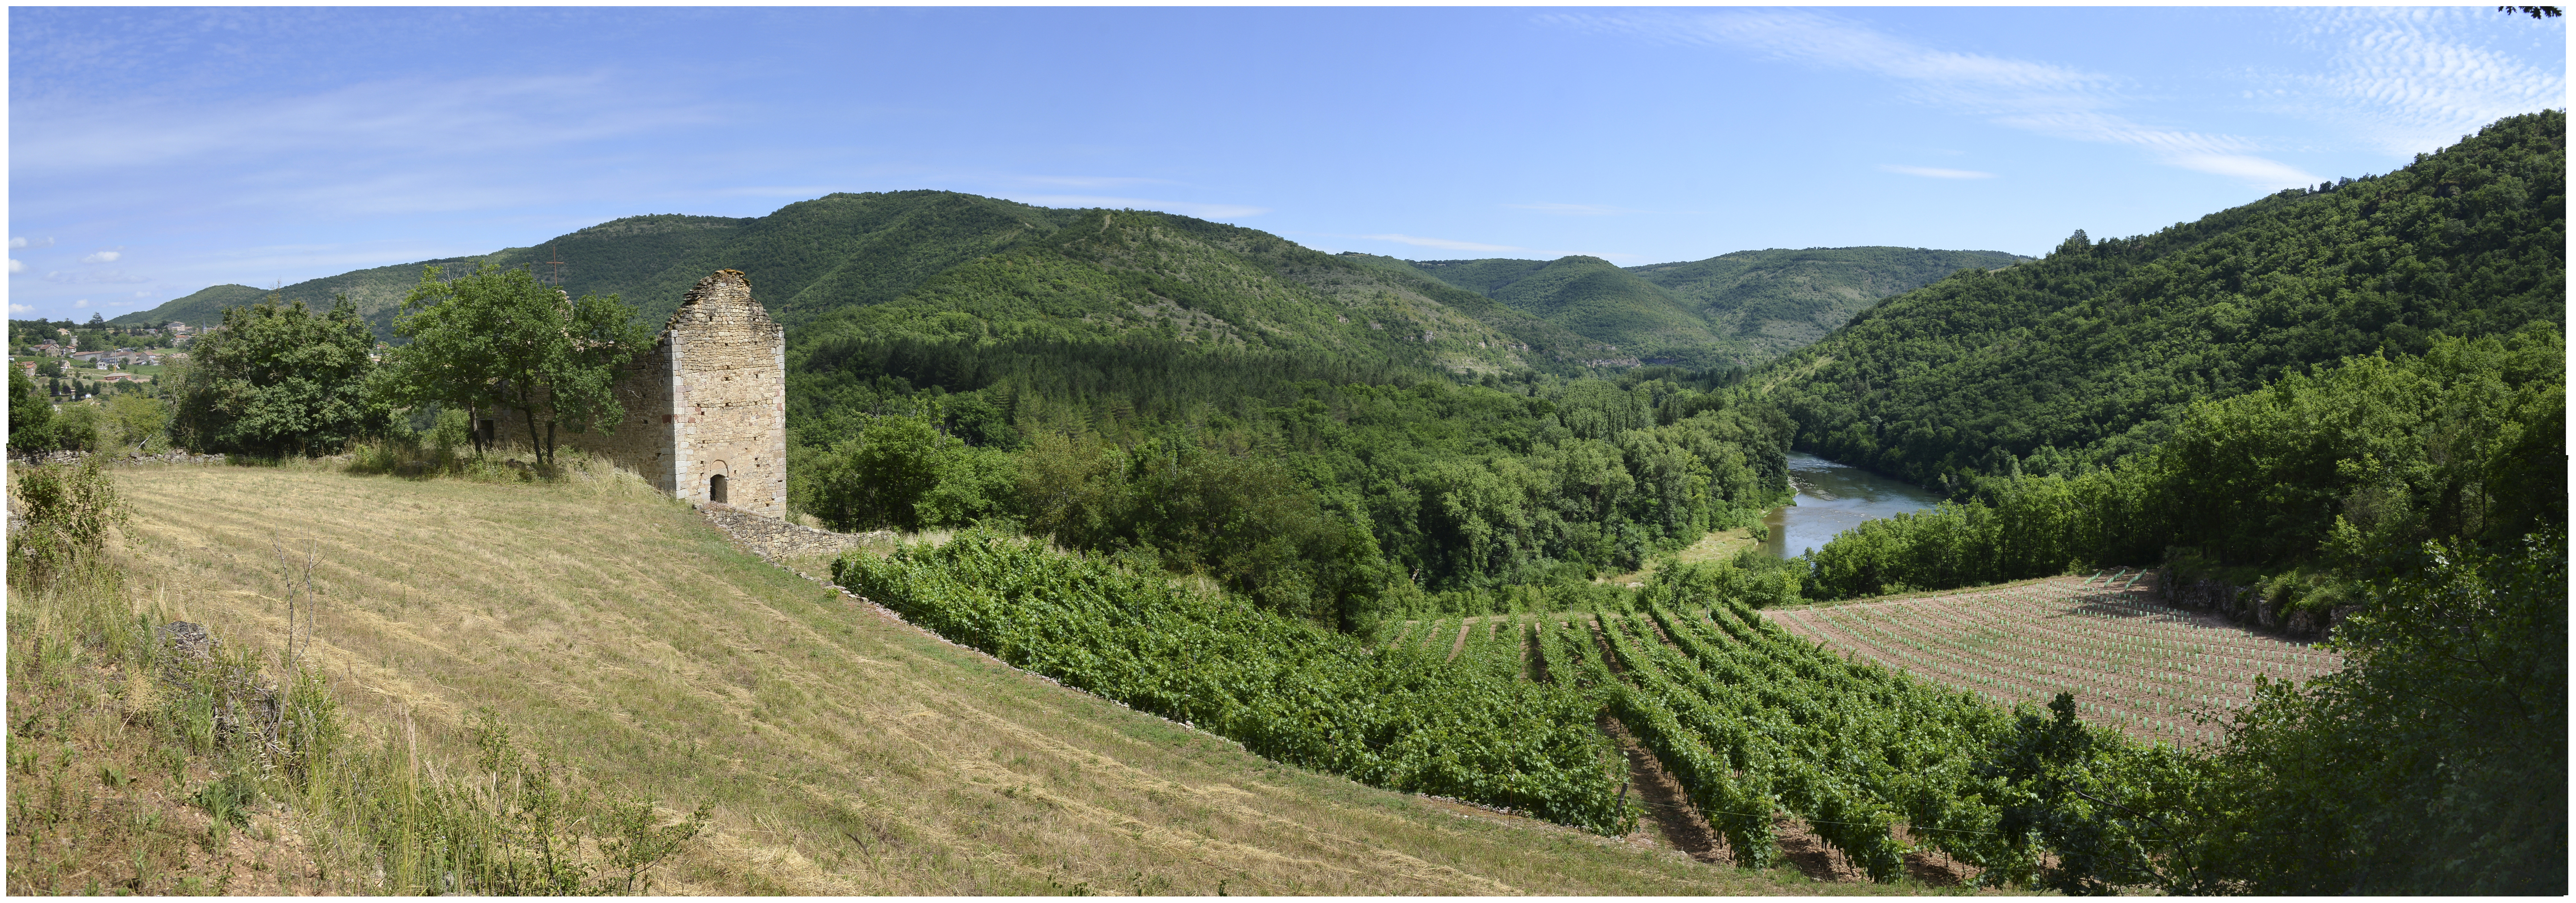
{"x":847,"y":251}
{"x":2083,"y":357}
{"x":1732,"y":309}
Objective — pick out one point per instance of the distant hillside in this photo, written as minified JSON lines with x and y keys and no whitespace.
{"x":1730,"y":309}
{"x":1596,"y":299}
{"x":1777,"y":301}
{"x":842,"y":252}
{"x":203,"y":307}
{"x":2084,"y":357}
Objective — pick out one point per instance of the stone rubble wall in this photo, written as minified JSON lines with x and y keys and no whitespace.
{"x":776,"y":540}
{"x":118,"y":459}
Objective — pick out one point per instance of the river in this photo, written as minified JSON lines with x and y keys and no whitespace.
{"x":1833,"y":498}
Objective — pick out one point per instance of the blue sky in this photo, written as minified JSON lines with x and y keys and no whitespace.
{"x":154,"y":152}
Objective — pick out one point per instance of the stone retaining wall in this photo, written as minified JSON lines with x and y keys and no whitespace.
{"x":776,"y":540}
{"x":118,"y":460}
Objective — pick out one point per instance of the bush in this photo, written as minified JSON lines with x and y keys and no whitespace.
{"x":69,"y":510}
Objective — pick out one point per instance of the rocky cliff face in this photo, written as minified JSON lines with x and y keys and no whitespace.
{"x":2247,"y":605}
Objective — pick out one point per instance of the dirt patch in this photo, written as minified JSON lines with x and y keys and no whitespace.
{"x":1668,"y":807}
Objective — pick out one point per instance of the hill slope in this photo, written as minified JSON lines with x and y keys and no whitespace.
{"x":2075,"y":360}
{"x":1734,"y":308}
{"x":842,"y":751}
{"x":812,"y":259}
{"x":1777,"y":301}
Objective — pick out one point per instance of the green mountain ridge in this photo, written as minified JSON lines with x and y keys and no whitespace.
{"x":2082,"y":358}
{"x":811,"y":260}
{"x":1733,"y":309}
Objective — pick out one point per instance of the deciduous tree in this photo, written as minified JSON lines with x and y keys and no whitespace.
{"x":498,"y":338}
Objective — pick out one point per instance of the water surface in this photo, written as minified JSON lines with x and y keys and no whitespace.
{"x":1833,"y":498}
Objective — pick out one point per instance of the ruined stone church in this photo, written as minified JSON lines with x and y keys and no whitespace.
{"x":706,"y":408}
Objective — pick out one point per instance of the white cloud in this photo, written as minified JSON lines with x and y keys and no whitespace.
{"x":2252,"y":170}
{"x":93,"y":277}
{"x":24,"y":242}
{"x":1445,"y":244}
{"x":1185,"y":208}
{"x":84,"y":302}
{"x":17,"y":308}
{"x":2045,"y":98}
{"x":1934,"y":172}
{"x":17,"y":266}
{"x":2410,"y":80}
{"x":1575,"y":209}
{"x":470,"y":117}
{"x":103,"y":257}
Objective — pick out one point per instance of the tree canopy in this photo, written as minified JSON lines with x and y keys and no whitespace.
{"x":499,"y":339}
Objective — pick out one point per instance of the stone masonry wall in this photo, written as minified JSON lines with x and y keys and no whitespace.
{"x":709,"y":400}
{"x":729,"y":384}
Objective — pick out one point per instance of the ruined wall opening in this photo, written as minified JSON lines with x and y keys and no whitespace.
{"x":716,"y":488}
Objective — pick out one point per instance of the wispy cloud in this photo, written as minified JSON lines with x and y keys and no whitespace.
{"x":68,"y":277}
{"x":2408,"y":80}
{"x":103,"y":257}
{"x":1185,"y":208}
{"x":17,"y":308}
{"x":17,"y":266}
{"x":1934,"y":172}
{"x":1575,"y":209}
{"x":24,"y":242}
{"x":2040,"y":97}
{"x":452,"y":118}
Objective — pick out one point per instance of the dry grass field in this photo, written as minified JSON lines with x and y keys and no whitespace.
{"x":2151,"y":670}
{"x":840,"y":751}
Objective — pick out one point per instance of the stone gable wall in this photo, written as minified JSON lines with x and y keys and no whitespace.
{"x":709,"y":400}
{"x":729,"y":389}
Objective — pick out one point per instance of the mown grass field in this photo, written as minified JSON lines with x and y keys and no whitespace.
{"x":2156,"y":672}
{"x":841,"y":751}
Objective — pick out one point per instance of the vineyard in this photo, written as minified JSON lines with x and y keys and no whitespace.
{"x":2148,"y":669}
{"x":1758,"y":725}
{"x":1405,"y":718}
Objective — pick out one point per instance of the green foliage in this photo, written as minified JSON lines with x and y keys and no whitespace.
{"x":31,"y":416}
{"x":2368,"y":455}
{"x":131,"y":420}
{"x":879,"y":478}
{"x":278,"y":380}
{"x":498,"y":338}
{"x":1736,"y":307}
{"x":637,"y":840}
{"x":1776,"y":301}
{"x":1241,"y":520}
{"x":1284,"y":688}
{"x":2436,"y":763}
{"x":69,"y":510}
{"x":1754,"y":722}
{"x":2091,"y":355}
{"x":1598,"y":300}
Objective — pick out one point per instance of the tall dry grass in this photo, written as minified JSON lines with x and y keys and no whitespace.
{"x":615,"y":637}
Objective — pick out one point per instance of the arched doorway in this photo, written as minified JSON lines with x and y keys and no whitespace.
{"x":716,"y":488}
